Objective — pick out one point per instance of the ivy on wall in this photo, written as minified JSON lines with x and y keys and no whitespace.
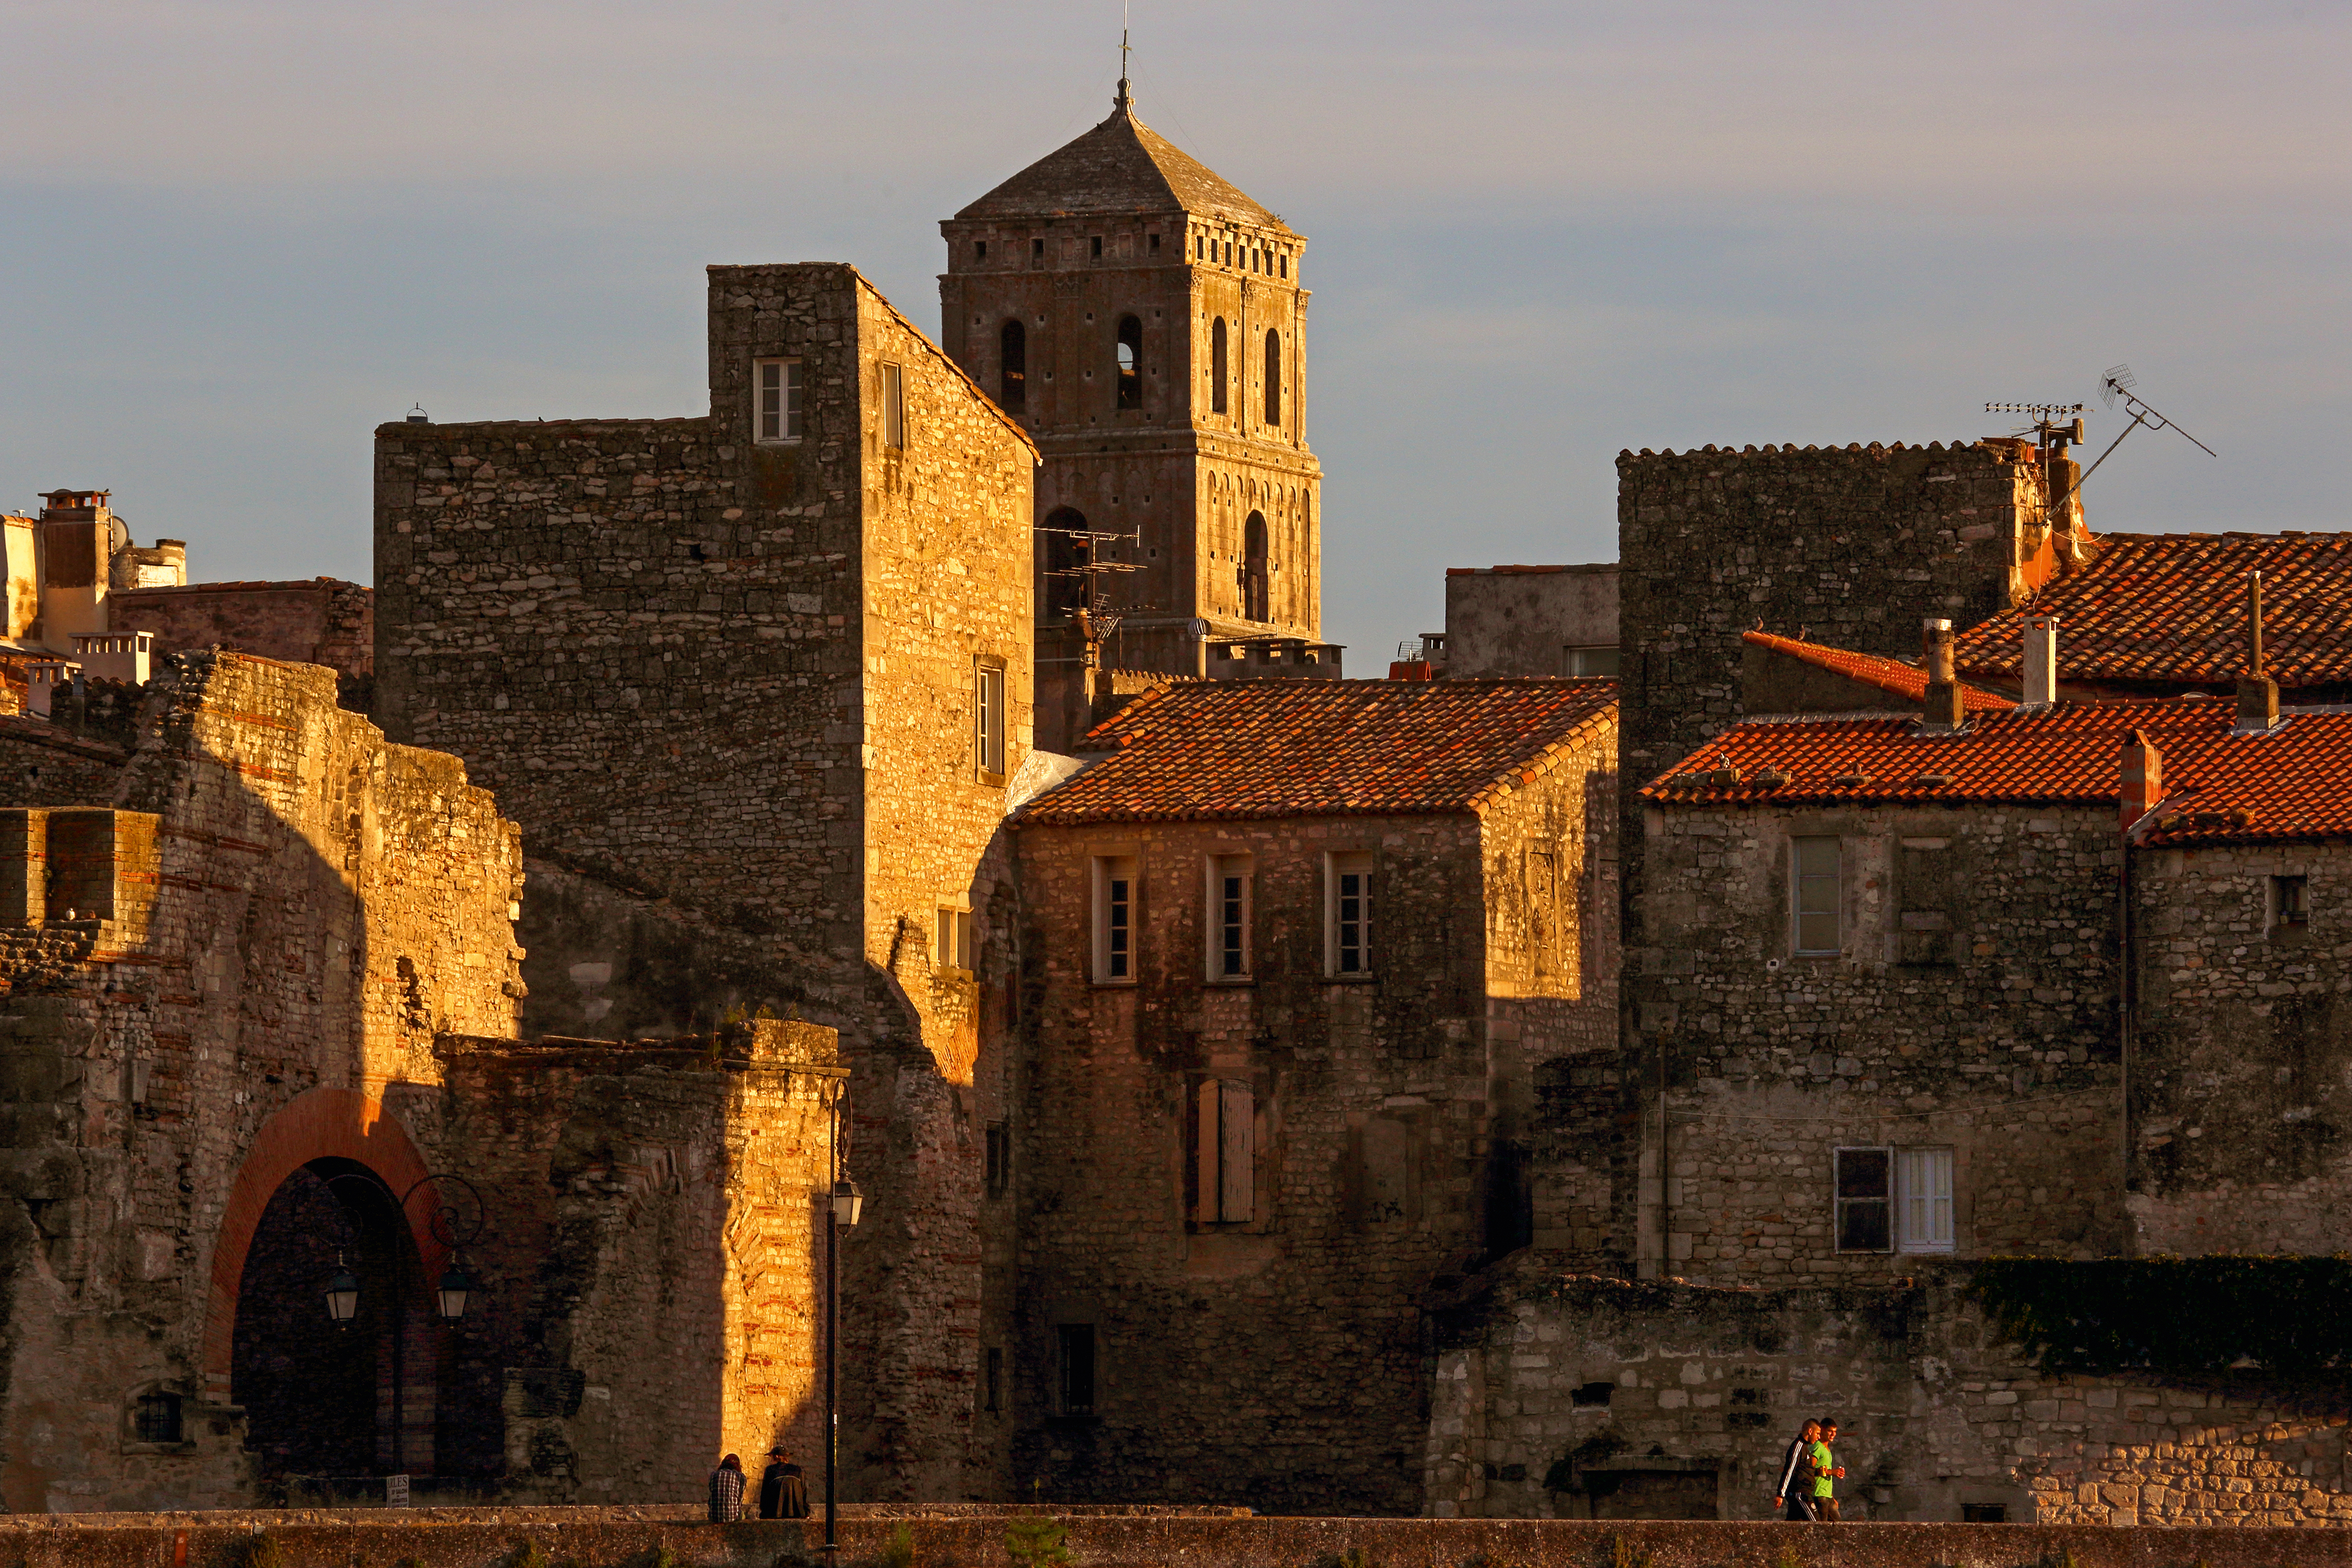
{"x":2288,"y":1320}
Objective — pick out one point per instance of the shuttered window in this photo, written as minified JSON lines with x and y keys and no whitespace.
{"x":1923,"y":1184}
{"x":1817,"y":887}
{"x":1225,"y":1152}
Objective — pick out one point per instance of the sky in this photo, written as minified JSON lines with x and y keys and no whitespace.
{"x":239,"y":233}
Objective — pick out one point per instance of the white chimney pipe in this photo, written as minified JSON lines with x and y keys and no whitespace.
{"x":2041,"y":660}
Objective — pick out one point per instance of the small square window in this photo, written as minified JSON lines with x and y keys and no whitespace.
{"x":2290,"y":911}
{"x":1230,"y":891}
{"x":781,"y":399}
{"x":951,"y":948}
{"x":991,"y":1378}
{"x":1864,"y":1195}
{"x":1115,"y":920}
{"x":1000,"y":1158}
{"x":157,"y":1418}
{"x":1818,"y":886}
{"x":1074,"y":1345}
{"x":893,"y":407}
{"x":988,"y":720}
{"x":1349,"y":930}
{"x":1591,"y":660}
{"x":1984,"y":1513}
{"x":1037,"y":253}
{"x":1094,"y":248}
{"x":980,"y":250}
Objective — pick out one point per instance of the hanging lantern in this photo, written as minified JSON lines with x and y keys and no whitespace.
{"x":455,"y":1288}
{"x":847,"y":1201}
{"x":342,"y":1293}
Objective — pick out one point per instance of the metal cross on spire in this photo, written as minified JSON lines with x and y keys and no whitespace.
{"x":1125,"y":99}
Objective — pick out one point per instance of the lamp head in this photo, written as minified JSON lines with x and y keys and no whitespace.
{"x":847,"y":1202}
{"x":342,"y":1293}
{"x":454,"y":1289}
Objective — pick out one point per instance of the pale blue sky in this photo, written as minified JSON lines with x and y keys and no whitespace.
{"x":240,"y":233}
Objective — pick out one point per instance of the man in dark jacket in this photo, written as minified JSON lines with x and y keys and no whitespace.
{"x":1796,"y":1487}
{"x":783,"y":1493}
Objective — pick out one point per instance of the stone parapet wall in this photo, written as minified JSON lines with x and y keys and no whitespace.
{"x":1576,"y":1397}
{"x":622,"y":1538}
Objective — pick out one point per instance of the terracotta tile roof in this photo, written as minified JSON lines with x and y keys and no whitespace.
{"x":1891,"y":677}
{"x":1122,"y":165}
{"x":2295,"y":783}
{"x":2171,"y":608}
{"x":1208,"y":750}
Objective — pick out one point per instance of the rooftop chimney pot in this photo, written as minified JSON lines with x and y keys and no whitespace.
{"x":2258,"y":703}
{"x":2041,"y":660}
{"x":1941,"y":712}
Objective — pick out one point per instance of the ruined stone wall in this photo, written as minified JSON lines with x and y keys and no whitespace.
{"x":2240,"y":1097}
{"x":1563,"y":1397}
{"x":323,"y":622}
{"x":295,"y":907}
{"x":42,"y":765}
{"x":668,"y":1188}
{"x":1973,"y":1008}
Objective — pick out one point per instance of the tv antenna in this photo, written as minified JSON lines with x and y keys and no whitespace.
{"x":1093,"y":613}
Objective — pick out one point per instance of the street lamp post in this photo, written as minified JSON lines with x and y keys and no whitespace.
{"x":449,"y":1296}
{"x":842,"y":1210}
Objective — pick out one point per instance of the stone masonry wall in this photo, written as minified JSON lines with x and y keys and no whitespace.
{"x":1973,"y":1008}
{"x":729,"y":685}
{"x":322,"y":622}
{"x":2241,"y":1069}
{"x":1581,"y":1397}
{"x":670,"y":1187}
{"x":309,"y":905}
{"x":1852,"y":547}
{"x":1266,"y":1360}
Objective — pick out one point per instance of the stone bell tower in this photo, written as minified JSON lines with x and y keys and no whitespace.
{"x":1145,"y":321}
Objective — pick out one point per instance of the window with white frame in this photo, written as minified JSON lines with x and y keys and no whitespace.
{"x":988,"y":718}
{"x":1348,"y":926}
{"x":1923,"y":1194}
{"x":1115,"y":912}
{"x":1230,"y":893}
{"x":1816,"y":882}
{"x":782,"y":399}
{"x":1225,"y":1151}
{"x":951,"y":946}
{"x":1894,"y":1200}
{"x":893,"y":407}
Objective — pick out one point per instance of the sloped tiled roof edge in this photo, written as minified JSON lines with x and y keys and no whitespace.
{"x":1117,"y":165}
{"x":2222,"y":786}
{"x":1242,"y":750}
{"x":1890,"y":675}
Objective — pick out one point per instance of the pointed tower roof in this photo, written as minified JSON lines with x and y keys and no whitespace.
{"x":1120,"y":166}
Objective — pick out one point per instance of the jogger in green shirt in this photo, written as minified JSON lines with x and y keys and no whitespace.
{"x":1827,"y":1472}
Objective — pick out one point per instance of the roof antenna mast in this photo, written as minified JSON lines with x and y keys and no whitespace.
{"x":1125,"y":99}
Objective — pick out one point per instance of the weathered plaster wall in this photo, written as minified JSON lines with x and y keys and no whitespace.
{"x":1576,"y":1397}
{"x":322,"y":622}
{"x":1520,"y":619}
{"x":1973,"y":1008}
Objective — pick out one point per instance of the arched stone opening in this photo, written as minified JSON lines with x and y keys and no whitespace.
{"x":1256,"y":574}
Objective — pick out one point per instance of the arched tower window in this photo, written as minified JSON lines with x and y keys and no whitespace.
{"x":1012,"y":365}
{"x":1131,"y":362}
{"x":1217,"y":371}
{"x":1273,"y":376}
{"x":1256,"y":589}
{"x":1064,"y":588}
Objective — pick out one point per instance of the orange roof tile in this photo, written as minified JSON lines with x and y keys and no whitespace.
{"x":2172,"y":607}
{"x":1890,"y":675}
{"x":1209,"y":750}
{"x":2293,"y":782}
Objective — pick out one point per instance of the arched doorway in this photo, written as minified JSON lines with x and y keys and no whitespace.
{"x":318,"y":1395}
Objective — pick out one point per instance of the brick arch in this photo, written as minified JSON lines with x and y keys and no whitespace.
{"x":319,"y":1124}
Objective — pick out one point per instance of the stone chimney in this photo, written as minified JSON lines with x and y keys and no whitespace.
{"x":1943,"y":713}
{"x":2257,"y":693}
{"x":2143,"y":777}
{"x":2041,"y":660}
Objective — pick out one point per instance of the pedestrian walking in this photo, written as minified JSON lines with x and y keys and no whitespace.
{"x":783,"y":1493}
{"x":1827,"y":1473}
{"x":727,"y":1491}
{"x":1795,"y":1494}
